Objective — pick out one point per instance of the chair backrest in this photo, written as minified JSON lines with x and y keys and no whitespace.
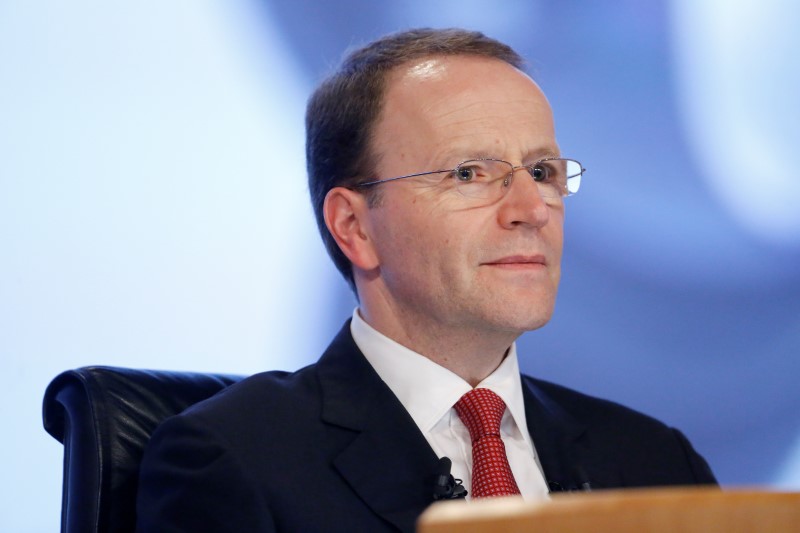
{"x":104,"y":416}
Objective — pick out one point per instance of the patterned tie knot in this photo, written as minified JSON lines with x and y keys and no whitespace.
{"x":481,"y":411}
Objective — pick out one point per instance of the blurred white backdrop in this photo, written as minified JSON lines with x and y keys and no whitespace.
{"x":738,"y":78}
{"x":153,"y":208}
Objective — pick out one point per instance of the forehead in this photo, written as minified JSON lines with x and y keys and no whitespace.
{"x":443,"y":108}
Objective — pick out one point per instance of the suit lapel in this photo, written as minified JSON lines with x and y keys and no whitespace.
{"x":388,"y":463}
{"x":556,"y":436}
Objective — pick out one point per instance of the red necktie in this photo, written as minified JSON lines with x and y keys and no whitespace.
{"x":481,"y":410}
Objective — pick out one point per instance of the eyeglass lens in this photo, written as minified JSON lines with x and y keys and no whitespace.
{"x":490,"y":178}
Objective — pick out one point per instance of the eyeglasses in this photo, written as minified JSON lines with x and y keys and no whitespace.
{"x":490,"y":179}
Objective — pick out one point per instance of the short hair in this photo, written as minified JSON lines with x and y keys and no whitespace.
{"x":342,"y":112}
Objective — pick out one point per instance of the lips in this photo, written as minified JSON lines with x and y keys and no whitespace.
{"x":518,"y":261}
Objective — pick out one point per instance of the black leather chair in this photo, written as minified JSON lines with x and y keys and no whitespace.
{"x":104,"y":416}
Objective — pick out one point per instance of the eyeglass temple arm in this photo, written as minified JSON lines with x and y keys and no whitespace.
{"x":401,"y":177}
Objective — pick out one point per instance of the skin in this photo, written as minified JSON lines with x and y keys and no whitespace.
{"x":451,"y":279}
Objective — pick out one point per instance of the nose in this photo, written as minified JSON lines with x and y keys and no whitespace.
{"x":523,"y":204}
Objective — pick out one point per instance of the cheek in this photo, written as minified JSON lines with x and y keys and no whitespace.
{"x":558,"y":243}
{"x":440,"y":250}
{"x":409,"y":241}
{"x":555,"y":232}
{"x":553,"y":235}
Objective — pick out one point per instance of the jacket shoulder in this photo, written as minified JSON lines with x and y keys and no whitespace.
{"x":263,"y":397}
{"x":633,"y":449}
{"x":588,"y":409}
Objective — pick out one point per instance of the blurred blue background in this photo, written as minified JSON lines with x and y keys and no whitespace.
{"x":154,"y":213}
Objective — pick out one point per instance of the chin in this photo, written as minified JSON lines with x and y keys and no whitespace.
{"x":515,"y":311}
{"x":537,"y":317}
{"x":522,"y":321}
{"x":535,"y":323}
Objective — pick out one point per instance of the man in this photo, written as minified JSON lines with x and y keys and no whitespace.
{"x":439,"y":187}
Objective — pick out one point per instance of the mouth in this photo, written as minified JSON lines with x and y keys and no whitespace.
{"x":519,"y":262}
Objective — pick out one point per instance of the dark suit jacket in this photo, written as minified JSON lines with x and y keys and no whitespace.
{"x":330,"y":448}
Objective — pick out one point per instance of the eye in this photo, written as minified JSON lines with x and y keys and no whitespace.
{"x":541,"y":173}
{"x":465,"y":173}
{"x":475,"y":171}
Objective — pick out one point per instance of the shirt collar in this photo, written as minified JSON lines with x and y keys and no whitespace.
{"x":427,"y":390}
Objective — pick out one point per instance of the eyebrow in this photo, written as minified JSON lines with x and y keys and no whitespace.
{"x":530,"y":157}
{"x":545,"y":153}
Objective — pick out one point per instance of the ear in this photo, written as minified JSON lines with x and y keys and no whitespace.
{"x":346,"y":215}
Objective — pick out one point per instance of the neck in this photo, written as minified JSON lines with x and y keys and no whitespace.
{"x":471,"y":353}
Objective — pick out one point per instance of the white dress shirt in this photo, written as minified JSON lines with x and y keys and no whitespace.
{"x":429,"y":391}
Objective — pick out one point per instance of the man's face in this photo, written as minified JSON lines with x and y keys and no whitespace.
{"x":445,"y":261}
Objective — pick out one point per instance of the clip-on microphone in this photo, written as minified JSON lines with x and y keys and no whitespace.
{"x":446,"y":486}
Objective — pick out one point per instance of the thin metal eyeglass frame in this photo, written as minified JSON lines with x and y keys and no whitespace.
{"x":513,"y":170}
